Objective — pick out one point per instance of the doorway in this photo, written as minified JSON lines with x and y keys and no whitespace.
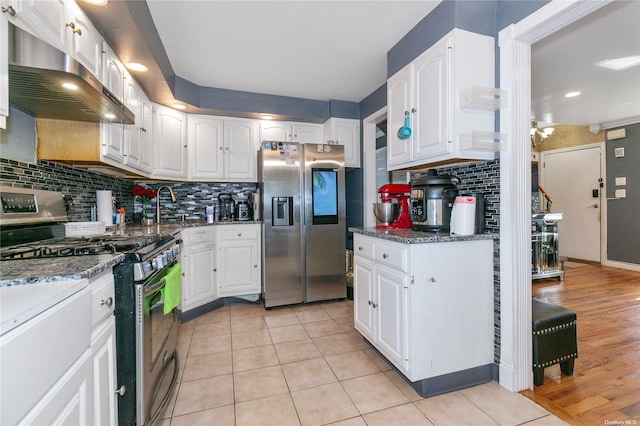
{"x":515,"y":203}
{"x":572,"y":176}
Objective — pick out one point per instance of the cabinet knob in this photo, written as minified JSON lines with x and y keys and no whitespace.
{"x":121,"y":390}
{"x":433,"y":280}
{"x":226,"y":148}
{"x":370,"y":302}
{"x":107,"y":302}
{"x":374,"y":306}
{"x":143,"y":129}
{"x":75,"y":30}
{"x":10,"y":10}
{"x":413,"y":110}
{"x":215,"y":269}
{"x":360,"y":248}
{"x":239,"y":234}
{"x":385,"y":255}
{"x":255,"y":266}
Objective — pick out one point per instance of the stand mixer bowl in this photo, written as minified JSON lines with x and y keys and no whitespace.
{"x":386,"y":213}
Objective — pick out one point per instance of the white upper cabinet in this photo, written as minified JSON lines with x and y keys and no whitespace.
{"x":146,"y":134}
{"x":133,"y":101}
{"x":170,"y":143}
{"x":344,"y":132}
{"x":85,"y":42}
{"x":63,"y":25}
{"x":44,"y":19}
{"x":222,"y":149}
{"x":425,"y":97}
{"x":113,"y":73}
{"x":285,"y":131}
{"x":204,"y":139}
{"x":241,"y":150}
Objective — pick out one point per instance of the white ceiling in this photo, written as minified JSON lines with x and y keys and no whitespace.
{"x":318,"y":50}
{"x":566,"y":61}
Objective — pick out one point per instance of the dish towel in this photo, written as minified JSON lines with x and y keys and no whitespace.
{"x":171,"y":289}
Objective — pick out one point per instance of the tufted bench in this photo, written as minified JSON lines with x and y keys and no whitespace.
{"x":554,"y":338}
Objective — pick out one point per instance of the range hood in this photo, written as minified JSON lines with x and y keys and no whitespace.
{"x":37,"y":72}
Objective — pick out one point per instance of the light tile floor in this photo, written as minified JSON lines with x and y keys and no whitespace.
{"x":306,"y":365}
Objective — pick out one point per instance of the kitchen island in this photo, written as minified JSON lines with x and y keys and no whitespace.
{"x":425,"y":301}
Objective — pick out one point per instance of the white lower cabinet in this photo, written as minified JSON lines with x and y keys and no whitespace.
{"x":103,"y":349}
{"x":60,"y":366}
{"x":428,"y":308}
{"x":239,"y":260}
{"x":69,"y":401}
{"x":220,"y":261}
{"x":199,"y":272}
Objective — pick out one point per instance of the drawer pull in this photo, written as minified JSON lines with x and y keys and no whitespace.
{"x":107,"y":302}
{"x":121,"y":390}
{"x":385,"y":255}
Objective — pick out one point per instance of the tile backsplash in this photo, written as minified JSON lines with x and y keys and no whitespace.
{"x":77,"y":185}
{"x":81,"y":187}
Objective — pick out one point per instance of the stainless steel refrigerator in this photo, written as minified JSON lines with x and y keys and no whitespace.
{"x":303,"y":213}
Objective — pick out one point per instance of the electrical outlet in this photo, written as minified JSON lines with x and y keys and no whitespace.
{"x":618,"y":152}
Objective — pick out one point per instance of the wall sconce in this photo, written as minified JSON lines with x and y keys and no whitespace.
{"x":538,"y":136}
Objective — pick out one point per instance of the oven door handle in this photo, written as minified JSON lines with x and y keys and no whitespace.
{"x":154,"y":288}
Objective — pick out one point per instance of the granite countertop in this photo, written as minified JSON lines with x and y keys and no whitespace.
{"x":22,"y":272}
{"x":173,"y":228}
{"x":409,"y":236}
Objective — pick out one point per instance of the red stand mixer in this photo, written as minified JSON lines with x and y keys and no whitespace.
{"x":401,"y":194}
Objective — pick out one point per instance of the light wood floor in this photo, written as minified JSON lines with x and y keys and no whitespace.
{"x":605,"y":386}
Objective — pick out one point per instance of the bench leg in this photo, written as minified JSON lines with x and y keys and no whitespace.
{"x":567,"y":366}
{"x":538,"y":376}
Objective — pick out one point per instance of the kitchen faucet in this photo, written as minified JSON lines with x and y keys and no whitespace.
{"x":173,"y":200}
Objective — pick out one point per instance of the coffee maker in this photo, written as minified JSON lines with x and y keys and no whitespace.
{"x":226,"y":206}
{"x":400,"y":193}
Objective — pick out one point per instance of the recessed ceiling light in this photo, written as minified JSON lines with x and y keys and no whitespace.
{"x":109,"y":116}
{"x":571,"y":94}
{"x":178,"y":106}
{"x":97,"y":2}
{"x":619,"y":64}
{"x":266,"y":117}
{"x":70,"y":86}
{"x":136,"y":66}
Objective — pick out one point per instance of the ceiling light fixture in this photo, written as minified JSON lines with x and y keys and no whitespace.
{"x":538,"y":136}
{"x":136,"y":66}
{"x":620,"y":64}
{"x":179,"y":106}
{"x":70,"y":86}
{"x":572,"y":94}
{"x":97,"y":2}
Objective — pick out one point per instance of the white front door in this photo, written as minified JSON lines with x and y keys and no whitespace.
{"x":571,"y":176}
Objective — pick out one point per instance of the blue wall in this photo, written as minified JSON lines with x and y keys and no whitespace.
{"x":623,"y":215}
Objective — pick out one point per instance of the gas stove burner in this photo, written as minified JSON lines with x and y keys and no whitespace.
{"x":62,"y":247}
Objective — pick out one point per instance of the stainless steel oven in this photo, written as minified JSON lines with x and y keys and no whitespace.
{"x":146,"y":335}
